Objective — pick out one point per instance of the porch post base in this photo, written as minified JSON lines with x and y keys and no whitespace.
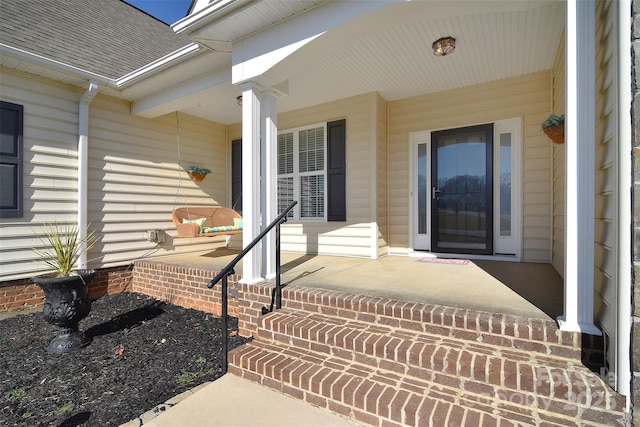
{"x":251,"y":281}
{"x":585,"y":328}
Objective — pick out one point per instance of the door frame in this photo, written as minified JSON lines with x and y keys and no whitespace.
{"x":508,"y":248}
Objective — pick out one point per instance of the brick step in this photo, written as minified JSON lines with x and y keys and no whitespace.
{"x":423,"y":348}
{"x":429,"y":356}
{"x":372,"y":394}
{"x":504,"y":330}
{"x":424,"y":355}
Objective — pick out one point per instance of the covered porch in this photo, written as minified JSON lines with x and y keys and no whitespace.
{"x":532,"y":290}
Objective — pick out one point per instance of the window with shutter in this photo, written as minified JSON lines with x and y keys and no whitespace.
{"x":302,"y":172}
{"x":11,"y":121}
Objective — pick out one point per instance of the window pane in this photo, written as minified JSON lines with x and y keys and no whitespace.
{"x":505,"y":184}
{"x":422,"y":189}
{"x":9,"y":194}
{"x":285,"y":153}
{"x":285,"y":195}
{"x":312,"y":196}
{"x":311,"y":154}
{"x":9,"y":132}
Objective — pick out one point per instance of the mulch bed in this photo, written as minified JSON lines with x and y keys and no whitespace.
{"x":143,"y":352}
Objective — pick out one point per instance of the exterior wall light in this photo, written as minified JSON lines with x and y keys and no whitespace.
{"x":444,"y":46}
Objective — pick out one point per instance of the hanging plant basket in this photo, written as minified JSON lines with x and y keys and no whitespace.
{"x":555,"y":133}
{"x":553,"y":127}
{"x":197,"y":173}
{"x":197,"y":177}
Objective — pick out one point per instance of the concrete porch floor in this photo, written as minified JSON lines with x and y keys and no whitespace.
{"x":524,"y":289}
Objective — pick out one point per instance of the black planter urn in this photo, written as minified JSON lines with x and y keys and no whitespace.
{"x":66,"y":302}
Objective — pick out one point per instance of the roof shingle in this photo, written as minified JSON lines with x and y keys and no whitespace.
{"x":107,"y":37}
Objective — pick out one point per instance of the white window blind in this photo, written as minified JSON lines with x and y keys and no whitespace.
{"x":301,"y":172}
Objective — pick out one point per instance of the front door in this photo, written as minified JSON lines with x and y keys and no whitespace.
{"x":462,"y":190}
{"x":452,"y":206}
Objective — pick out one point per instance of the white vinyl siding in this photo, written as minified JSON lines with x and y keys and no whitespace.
{"x":49,"y":174}
{"x":557,"y":96}
{"x":135,"y":177}
{"x":606,"y":203}
{"x":525,"y":96}
{"x":353,"y":237}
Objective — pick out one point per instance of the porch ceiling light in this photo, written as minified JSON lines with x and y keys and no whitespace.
{"x":444,"y":46}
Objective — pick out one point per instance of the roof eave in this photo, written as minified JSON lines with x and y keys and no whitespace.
{"x":32,"y":58}
{"x":158,"y":65}
{"x":214,"y":11}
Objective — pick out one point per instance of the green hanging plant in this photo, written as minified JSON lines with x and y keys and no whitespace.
{"x":553,"y":127}
{"x":553,"y":120}
{"x":198,"y":169}
{"x":197,"y":173}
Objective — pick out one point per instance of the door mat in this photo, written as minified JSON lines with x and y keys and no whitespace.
{"x":452,"y":261}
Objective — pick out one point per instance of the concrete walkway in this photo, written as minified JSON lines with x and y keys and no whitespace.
{"x":234,"y":402}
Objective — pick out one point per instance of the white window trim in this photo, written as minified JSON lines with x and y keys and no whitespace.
{"x":297,"y":174}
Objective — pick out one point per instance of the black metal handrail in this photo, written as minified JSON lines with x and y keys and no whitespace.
{"x":230,"y":269}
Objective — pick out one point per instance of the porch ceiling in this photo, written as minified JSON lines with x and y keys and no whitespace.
{"x":389,"y":51}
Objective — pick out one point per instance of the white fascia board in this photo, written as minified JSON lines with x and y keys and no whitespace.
{"x":214,"y":11}
{"x":50,"y":64}
{"x":158,"y":65}
{"x":254,"y":56}
{"x":164,"y":102}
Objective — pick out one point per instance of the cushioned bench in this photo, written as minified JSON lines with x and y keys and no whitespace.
{"x":194,"y":221}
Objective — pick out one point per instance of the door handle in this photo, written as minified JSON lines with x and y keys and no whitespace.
{"x":435,"y":193}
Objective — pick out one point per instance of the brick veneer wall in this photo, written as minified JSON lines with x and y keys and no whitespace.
{"x":184,"y":286}
{"x":20,"y":295}
{"x":635,"y":111}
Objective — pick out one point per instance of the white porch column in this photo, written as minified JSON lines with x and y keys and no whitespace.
{"x":251,"y":180}
{"x":579,"y":168}
{"x":269,"y":180}
{"x":625,"y":205}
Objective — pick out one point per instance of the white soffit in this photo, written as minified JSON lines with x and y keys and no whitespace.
{"x":390,"y":51}
{"x":397,"y":61}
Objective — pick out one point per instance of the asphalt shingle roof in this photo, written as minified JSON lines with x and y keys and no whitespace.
{"x":106,"y":37}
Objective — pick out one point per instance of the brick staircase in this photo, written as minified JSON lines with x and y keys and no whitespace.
{"x":385,"y":362}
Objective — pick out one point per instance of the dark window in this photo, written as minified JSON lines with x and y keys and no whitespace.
{"x":11,"y":160}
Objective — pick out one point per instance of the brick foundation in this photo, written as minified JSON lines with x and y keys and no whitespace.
{"x":21,"y":295}
{"x":184,"y":286}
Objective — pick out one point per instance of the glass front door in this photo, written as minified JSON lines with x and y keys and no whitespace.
{"x":462,"y":190}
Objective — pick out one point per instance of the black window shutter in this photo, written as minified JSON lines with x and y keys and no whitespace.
{"x":236,"y":175}
{"x":336,"y":171}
